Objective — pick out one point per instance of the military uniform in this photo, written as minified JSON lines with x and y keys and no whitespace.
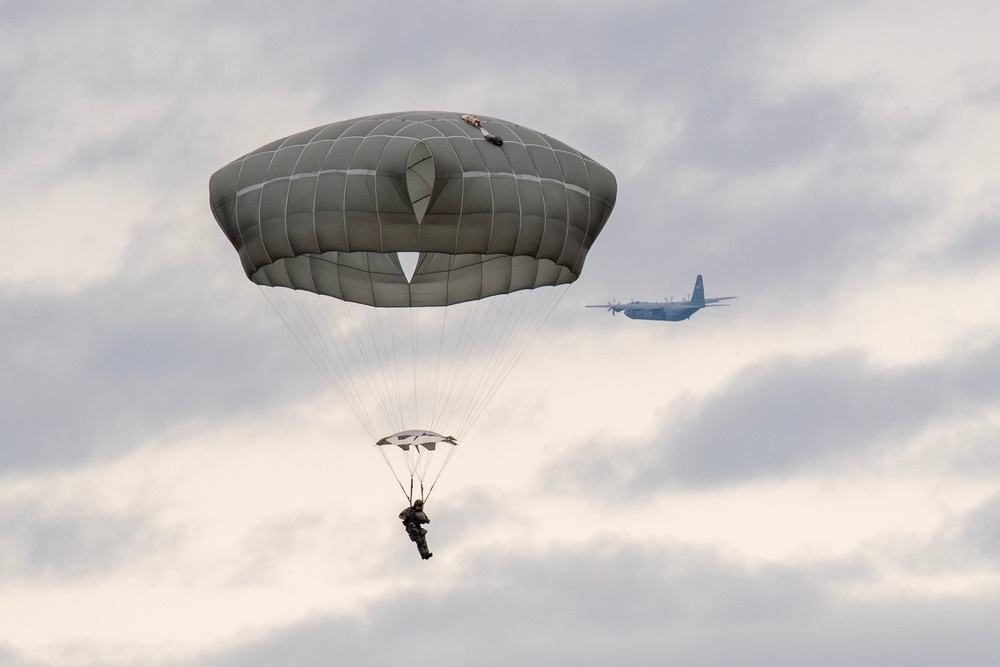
{"x":412,"y":518}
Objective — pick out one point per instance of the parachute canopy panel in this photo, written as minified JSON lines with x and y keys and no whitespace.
{"x":326,"y":210}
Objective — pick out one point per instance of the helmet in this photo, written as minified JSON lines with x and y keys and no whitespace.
{"x":418,"y":504}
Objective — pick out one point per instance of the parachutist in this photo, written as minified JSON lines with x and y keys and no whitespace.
{"x":321,"y":229}
{"x":412,"y":517}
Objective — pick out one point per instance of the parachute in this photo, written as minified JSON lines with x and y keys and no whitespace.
{"x":414,"y":256}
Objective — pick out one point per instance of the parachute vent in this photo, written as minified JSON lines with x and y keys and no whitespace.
{"x":420,"y":178}
{"x":408,"y":262}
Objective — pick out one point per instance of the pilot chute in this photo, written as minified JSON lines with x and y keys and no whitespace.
{"x":322,"y":219}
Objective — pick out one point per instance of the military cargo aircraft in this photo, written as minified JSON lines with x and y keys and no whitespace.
{"x":667,"y":311}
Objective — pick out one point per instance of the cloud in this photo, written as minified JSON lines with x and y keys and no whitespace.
{"x":981,"y":530}
{"x":11,"y":659}
{"x":789,"y":198}
{"x":273,"y":539}
{"x":632,"y":604}
{"x":35,"y":544}
{"x":558,"y":608}
{"x":975,"y":247}
{"x":791,"y":415}
{"x":711,"y":139}
{"x":97,"y":373}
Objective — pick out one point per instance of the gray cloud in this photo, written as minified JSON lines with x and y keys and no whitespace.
{"x":9,"y":658}
{"x":268,"y":543}
{"x":787,"y":415}
{"x":981,"y":530}
{"x":564,"y":608}
{"x":749,"y":223}
{"x":958,"y":544}
{"x":607,"y":603}
{"x":685,"y":61}
{"x":72,"y":545}
{"x":634,"y":605}
{"x":786,"y":197}
{"x":95,"y":373}
{"x":977,"y":246}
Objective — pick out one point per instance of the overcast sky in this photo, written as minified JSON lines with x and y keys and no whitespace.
{"x":811,"y":476}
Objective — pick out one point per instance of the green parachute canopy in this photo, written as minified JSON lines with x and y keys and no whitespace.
{"x":326,"y":210}
{"x":498,"y":218}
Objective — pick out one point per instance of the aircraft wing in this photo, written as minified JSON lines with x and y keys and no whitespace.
{"x":612,"y":307}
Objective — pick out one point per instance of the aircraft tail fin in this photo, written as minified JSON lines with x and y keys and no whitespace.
{"x":698,"y":295}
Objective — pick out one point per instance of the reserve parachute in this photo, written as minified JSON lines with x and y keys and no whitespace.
{"x":414,"y":256}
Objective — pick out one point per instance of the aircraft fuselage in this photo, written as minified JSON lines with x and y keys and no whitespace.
{"x":660,"y":314}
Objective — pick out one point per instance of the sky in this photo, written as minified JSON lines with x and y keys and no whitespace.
{"x":810,"y":476}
